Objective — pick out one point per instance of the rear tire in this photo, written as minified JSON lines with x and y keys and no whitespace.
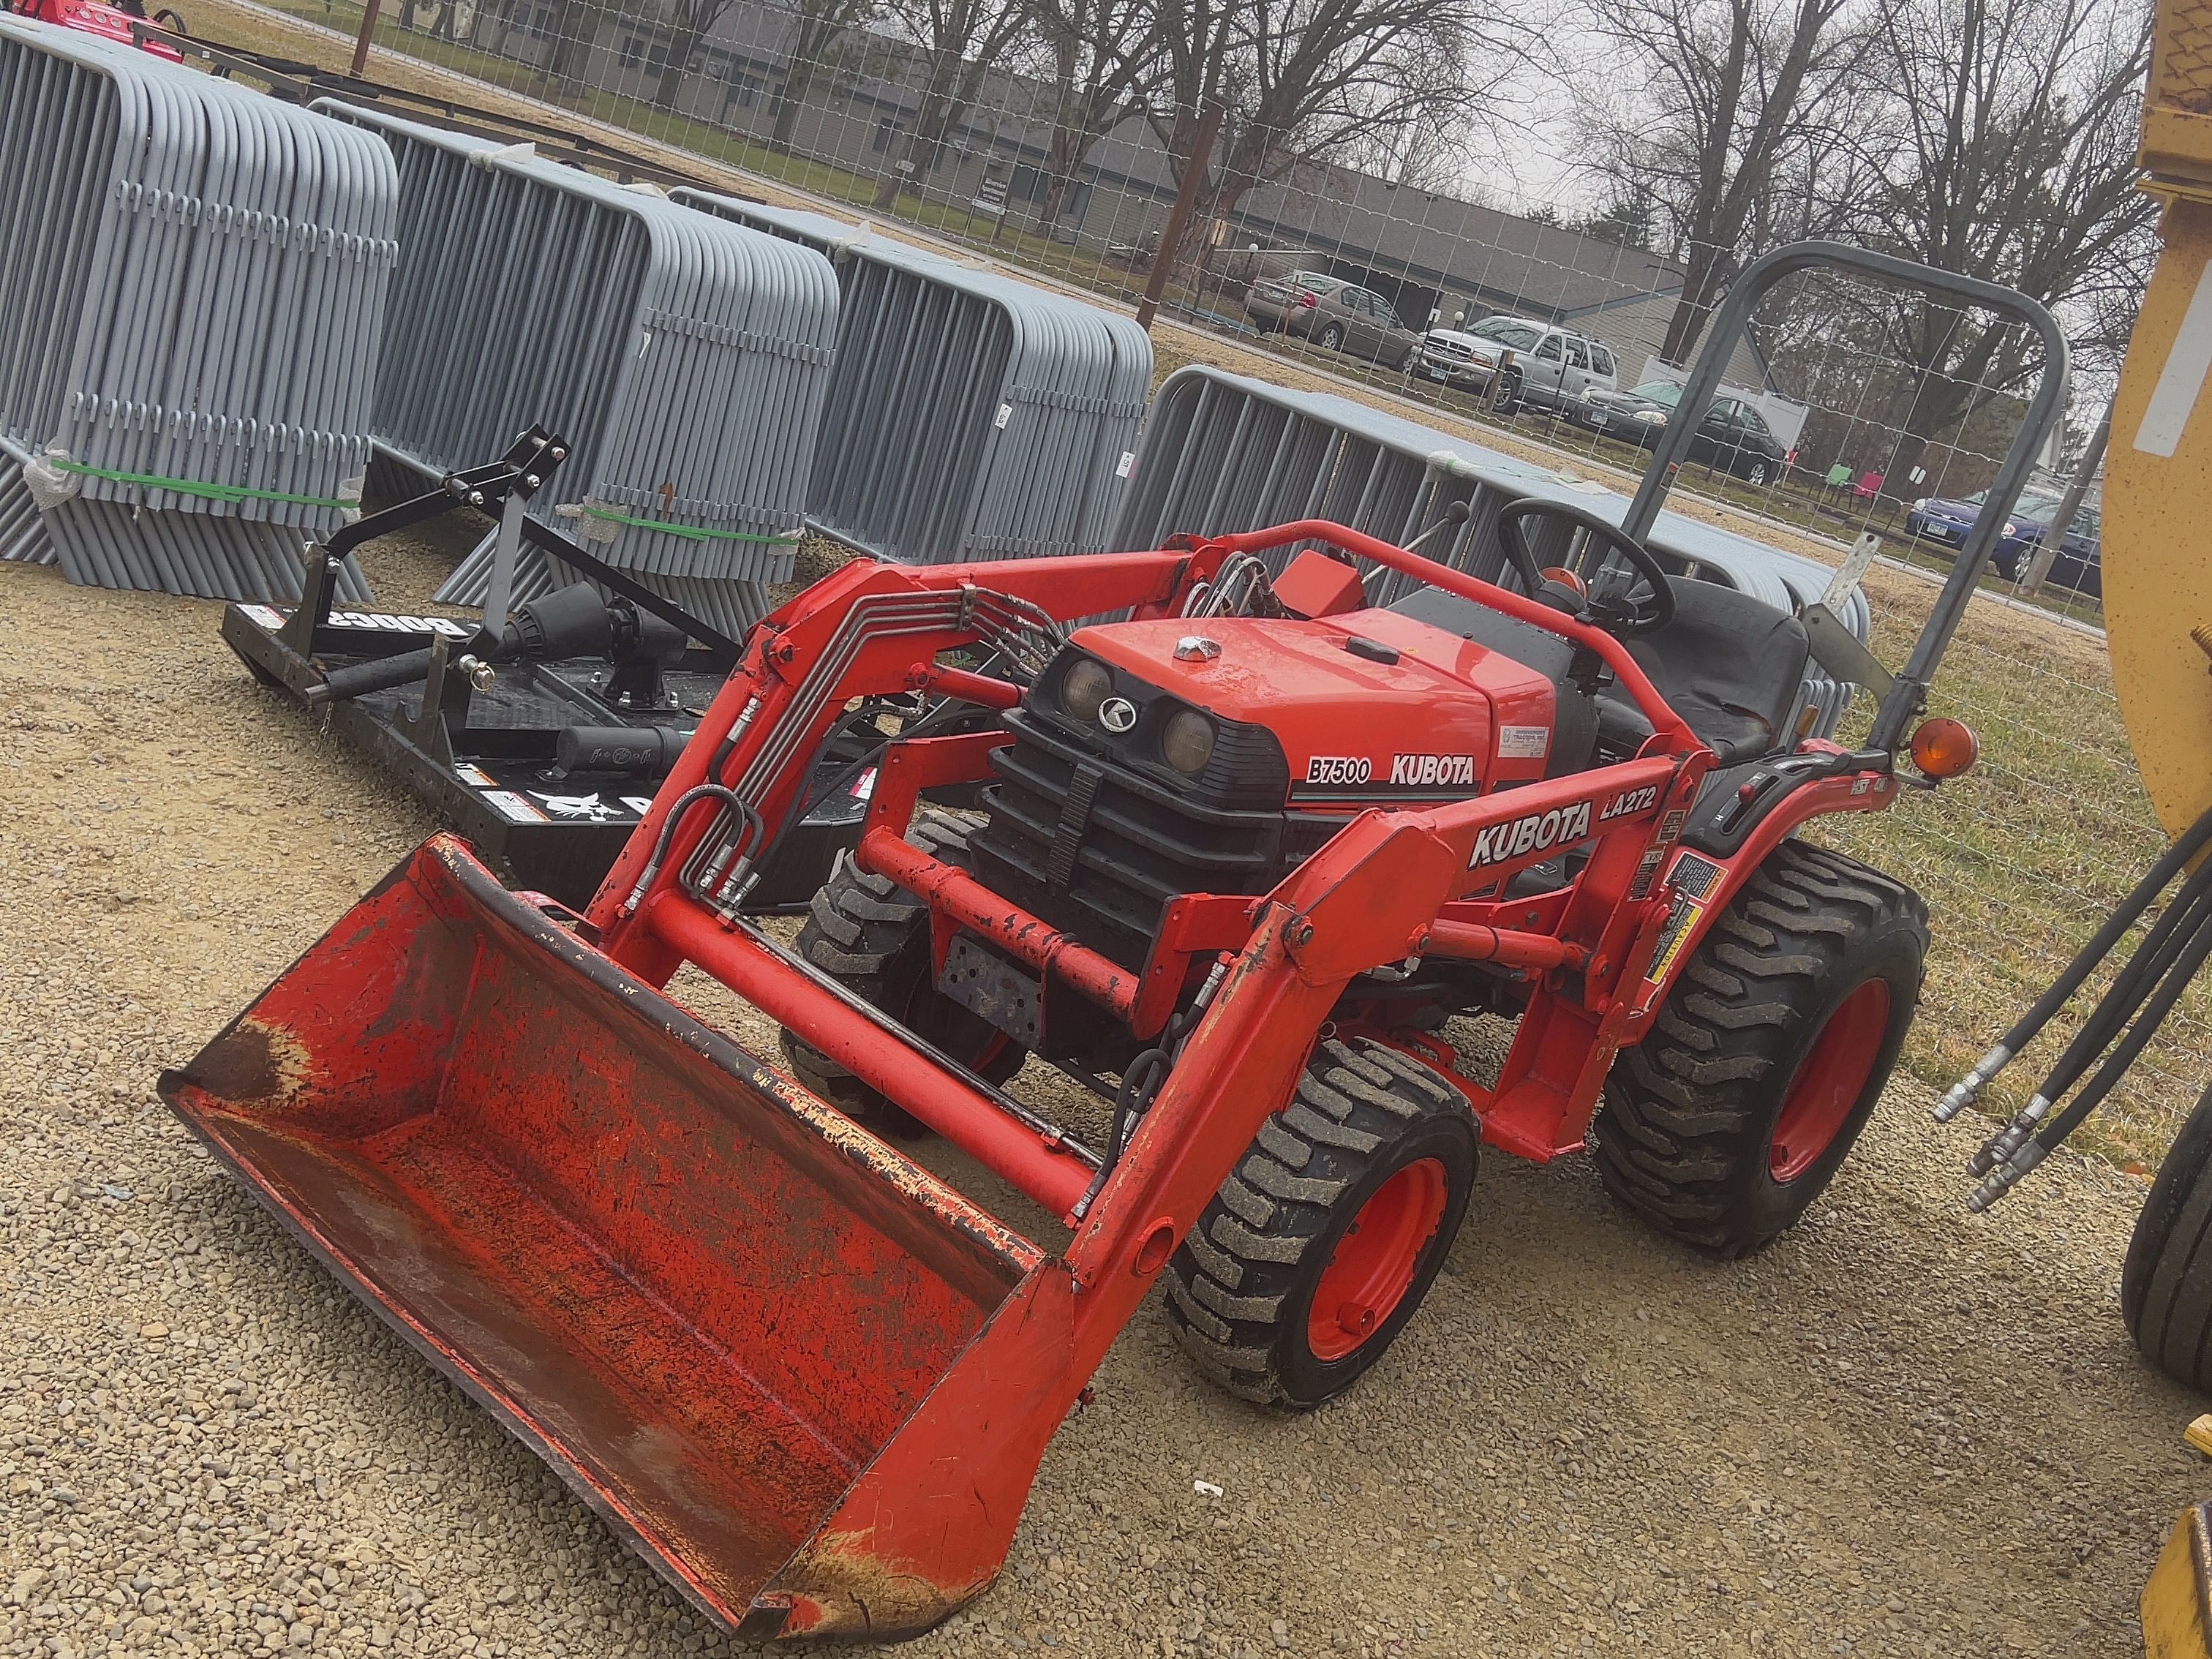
{"x":872,"y":936}
{"x":1331,"y":338}
{"x":1321,"y":1242}
{"x":1736,"y":1111}
{"x":2166,"y":1288}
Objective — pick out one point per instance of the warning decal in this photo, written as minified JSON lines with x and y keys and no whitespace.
{"x":1681,"y":921}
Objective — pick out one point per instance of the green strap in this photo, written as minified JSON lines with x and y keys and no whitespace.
{"x":691,"y":533}
{"x":212,"y":492}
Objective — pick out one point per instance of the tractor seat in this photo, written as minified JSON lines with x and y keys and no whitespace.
{"x":1732,"y":666}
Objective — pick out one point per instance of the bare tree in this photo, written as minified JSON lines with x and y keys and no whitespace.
{"x":1106,"y":59}
{"x":2010,"y":154}
{"x":1724,"y":90}
{"x":689,"y":23}
{"x":820,"y":30}
{"x":958,"y":42}
{"x":1305,"y":81}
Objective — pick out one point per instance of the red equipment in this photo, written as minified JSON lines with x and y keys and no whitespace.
{"x":110,"y":22}
{"x":811,"y":1381}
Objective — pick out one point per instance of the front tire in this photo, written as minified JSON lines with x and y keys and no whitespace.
{"x":872,"y":936}
{"x":2165,"y":1287}
{"x":1736,"y":1111}
{"x":1508,"y":402}
{"x":1319,"y":1245}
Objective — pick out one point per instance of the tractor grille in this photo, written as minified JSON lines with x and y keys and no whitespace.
{"x":1095,"y":850}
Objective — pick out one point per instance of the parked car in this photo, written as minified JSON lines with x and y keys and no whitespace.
{"x":1552,"y":368}
{"x":1334,"y":314}
{"x":1733,"y":436}
{"x":1944,"y":521}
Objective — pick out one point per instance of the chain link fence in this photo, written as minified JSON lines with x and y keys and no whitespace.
{"x":1848,"y":412}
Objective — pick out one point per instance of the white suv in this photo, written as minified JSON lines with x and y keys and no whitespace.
{"x":1534,"y":363}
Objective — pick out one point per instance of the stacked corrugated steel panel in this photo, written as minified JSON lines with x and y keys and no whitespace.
{"x":197,"y":279}
{"x":971,"y":415}
{"x":1222,"y":453}
{"x":684,"y":359}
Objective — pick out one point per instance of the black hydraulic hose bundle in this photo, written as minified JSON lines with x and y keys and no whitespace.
{"x":2142,"y":993}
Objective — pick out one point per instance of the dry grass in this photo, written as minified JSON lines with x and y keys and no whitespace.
{"x":2018,"y":861}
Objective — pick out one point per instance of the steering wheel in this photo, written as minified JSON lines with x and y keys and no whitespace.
{"x":1625,"y":618}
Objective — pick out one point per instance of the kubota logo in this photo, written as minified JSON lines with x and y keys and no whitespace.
{"x":1418,"y":771}
{"x":1563,"y":826}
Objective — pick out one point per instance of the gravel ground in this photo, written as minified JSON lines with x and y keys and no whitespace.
{"x":1902,"y":1431}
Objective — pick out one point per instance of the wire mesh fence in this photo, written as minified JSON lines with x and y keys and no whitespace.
{"x":1846,"y":412}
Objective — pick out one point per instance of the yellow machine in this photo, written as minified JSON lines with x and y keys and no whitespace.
{"x":2160,"y":471}
{"x":2158,"y":615}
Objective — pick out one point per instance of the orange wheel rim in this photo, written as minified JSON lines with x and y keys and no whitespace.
{"x":1373,"y":1266}
{"x":1829,"y":1082}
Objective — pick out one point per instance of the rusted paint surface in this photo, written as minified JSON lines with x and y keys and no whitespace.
{"x":929,"y":1523}
{"x":711,"y":1301}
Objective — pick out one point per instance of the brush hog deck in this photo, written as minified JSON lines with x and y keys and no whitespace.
{"x":742,"y":1328}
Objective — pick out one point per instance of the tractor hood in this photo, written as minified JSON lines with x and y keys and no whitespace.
{"x":1367,"y":706}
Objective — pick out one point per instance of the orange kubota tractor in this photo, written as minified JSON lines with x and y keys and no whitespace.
{"x":1243,"y":849}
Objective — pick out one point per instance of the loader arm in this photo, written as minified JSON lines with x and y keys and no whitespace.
{"x":595,"y":1212}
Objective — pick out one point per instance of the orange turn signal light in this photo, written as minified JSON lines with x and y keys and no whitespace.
{"x":1944,"y":748}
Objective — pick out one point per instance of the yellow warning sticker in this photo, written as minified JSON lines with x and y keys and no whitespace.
{"x":1681,"y":922}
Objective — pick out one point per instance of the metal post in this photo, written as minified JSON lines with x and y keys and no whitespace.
{"x":361,"y":41}
{"x":2054,"y":538}
{"x":1194,"y":170}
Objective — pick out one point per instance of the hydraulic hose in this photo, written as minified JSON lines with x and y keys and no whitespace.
{"x":2155,"y":1010}
{"x":2143,"y":970}
{"x":2187,"y":960}
{"x":2026,"y":1029}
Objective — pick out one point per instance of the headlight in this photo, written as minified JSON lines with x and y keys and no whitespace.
{"x":2011,"y":529}
{"x":1083,"y":688}
{"x":1920,"y":506}
{"x":1186,"y":742}
{"x":1656,"y":417}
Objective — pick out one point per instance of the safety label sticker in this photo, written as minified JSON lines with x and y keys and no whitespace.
{"x":1681,"y":922}
{"x":475,"y":776}
{"x":1693,"y":876}
{"x":514,"y":807}
{"x":1639,"y":886}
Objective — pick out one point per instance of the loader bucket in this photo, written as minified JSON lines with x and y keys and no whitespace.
{"x":806,"y":1380}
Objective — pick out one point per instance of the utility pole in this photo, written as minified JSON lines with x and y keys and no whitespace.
{"x":1194,"y":172}
{"x":2093,"y":455}
{"x":361,"y":41}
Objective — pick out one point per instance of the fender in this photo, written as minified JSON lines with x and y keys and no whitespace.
{"x":1700,"y":884}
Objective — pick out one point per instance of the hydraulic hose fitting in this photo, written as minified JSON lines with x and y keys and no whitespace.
{"x":2006,"y":1175}
{"x":2000,"y":1146}
{"x":1968,"y":1088}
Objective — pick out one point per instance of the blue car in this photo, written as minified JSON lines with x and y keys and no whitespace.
{"x":1944,"y":523}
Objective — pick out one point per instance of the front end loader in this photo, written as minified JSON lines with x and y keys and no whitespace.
{"x":1234,"y":858}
